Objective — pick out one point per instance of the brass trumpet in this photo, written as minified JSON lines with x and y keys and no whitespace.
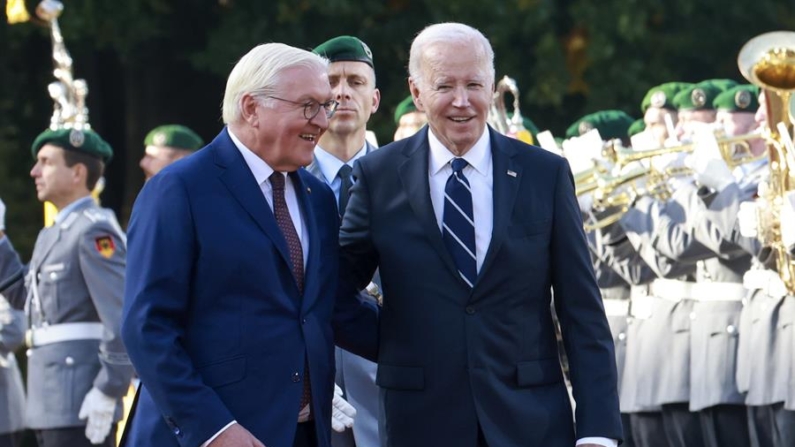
{"x":735,"y":151}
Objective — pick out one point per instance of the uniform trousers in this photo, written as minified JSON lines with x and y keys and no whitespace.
{"x":11,"y":439}
{"x":725,"y":426}
{"x":648,"y":429}
{"x":71,"y":437}
{"x":626,"y":423}
{"x":682,"y":427}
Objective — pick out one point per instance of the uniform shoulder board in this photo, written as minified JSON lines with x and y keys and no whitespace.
{"x":95,"y":215}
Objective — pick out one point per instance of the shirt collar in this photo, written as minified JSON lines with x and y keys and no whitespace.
{"x":61,"y":216}
{"x":258,"y":167}
{"x":477,"y":156}
{"x":330,"y":165}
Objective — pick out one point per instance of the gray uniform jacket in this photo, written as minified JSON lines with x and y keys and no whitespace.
{"x":665,"y":377}
{"x":12,"y":395}
{"x":356,"y":376}
{"x":77,"y":270}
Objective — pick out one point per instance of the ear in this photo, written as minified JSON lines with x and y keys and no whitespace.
{"x":79,"y":174}
{"x":415,"y":94}
{"x":376,"y":100}
{"x":248,"y":110}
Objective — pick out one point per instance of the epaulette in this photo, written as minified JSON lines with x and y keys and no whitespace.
{"x":95,"y":215}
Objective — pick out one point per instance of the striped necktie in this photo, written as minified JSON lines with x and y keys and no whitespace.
{"x":458,"y":226}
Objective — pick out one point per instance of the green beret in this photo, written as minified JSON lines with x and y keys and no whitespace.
{"x":723,"y":84}
{"x":86,"y":141}
{"x":345,"y":48}
{"x":405,"y":106}
{"x":662,"y":95}
{"x":174,"y":135}
{"x":636,"y":127}
{"x":610,"y":124}
{"x":697,"y":97}
{"x":742,"y":98}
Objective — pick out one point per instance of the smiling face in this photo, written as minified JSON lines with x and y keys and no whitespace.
{"x":280,"y":132}
{"x":353,"y":86}
{"x":455,"y":93}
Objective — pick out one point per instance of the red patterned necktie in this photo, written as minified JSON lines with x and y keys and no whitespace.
{"x":285,"y":222}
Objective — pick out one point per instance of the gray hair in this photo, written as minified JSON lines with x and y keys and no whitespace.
{"x":257,"y":74}
{"x":449,"y":32}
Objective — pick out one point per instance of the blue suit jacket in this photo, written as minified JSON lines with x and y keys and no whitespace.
{"x":452,"y":358}
{"x":213,"y":320}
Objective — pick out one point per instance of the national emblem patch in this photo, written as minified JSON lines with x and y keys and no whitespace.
{"x":105,"y":246}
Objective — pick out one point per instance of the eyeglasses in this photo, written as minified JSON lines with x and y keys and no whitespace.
{"x":312,"y":107}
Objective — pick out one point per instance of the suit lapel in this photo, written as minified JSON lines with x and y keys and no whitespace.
{"x":240,"y":182}
{"x":507,"y":177}
{"x":312,"y":268}
{"x":414,"y":175}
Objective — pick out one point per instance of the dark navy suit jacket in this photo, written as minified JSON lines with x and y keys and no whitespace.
{"x":213,"y":319}
{"x":453,"y":358}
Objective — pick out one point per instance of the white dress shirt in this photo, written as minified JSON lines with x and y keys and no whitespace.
{"x":480,"y":174}
{"x":262,"y":173}
{"x":330,"y":166}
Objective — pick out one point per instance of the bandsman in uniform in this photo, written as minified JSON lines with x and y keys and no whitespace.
{"x":352,"y":77}
{"x":765,"y":353}
{"x":166,"y":144}
{"x":656,"y":362}
{"x":72,"y":289}
{"x":615,"y":290}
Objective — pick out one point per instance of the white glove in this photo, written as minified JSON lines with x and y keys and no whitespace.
{"x":2,"y":215}
{"x":707,"y":163}
{"x":98,"y":408}
{"x":748,"y":219}
{"x":342,"y":413}
{"x":787,"y":216}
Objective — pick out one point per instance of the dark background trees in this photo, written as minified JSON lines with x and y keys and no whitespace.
{"x":150,"y":62}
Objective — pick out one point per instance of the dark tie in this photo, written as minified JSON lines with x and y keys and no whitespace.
{"x":458,"y":226}
{"x":282,"y":214}
{"x":345,"y":187}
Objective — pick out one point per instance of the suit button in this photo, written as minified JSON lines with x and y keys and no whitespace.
{"x":470,"y":310}
{"x":731,"y":329}
{"x":296,"y":377}
{"x":177,"y":431}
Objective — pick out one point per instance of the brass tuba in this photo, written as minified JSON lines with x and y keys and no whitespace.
{"x":768,"y":61}
{"x":513,"y":125}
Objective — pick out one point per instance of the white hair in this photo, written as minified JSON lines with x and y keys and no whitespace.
{"x":449,"y":32}
{"x":257,"y":74}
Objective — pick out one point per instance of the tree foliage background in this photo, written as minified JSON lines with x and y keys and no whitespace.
{"x":150,"y":62}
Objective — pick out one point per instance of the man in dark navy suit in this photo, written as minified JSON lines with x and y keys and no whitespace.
{"x":472,"y":232}
{"x":233,"y":266}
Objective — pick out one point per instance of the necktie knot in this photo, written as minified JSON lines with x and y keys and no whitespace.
{"x":277,"y":180}
{"x":344,"y":172}
{"x":458,"y":165}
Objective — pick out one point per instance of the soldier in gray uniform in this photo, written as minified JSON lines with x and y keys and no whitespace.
{"x":765,"y":352}
{"x":12,"y":395}
{"x":352,"y":79}
{"x":72,"y":289}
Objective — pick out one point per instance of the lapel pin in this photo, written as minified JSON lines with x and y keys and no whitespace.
{"x":511,"y":173}
{"x":309,"y":190}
